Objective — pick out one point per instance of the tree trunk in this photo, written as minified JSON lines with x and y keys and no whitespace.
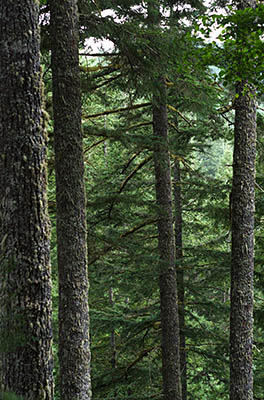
{"x":166,"y":244}
{"x":180,"y":274}
{"x":242,"y":264}
{"x":25,"y":286}
{"x":242,"y":220}
{"x":74,"y":350}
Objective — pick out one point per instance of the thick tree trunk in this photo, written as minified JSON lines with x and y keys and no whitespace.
{"x":242,"y":220}
{"x":166,"y":244}
{"x":25,"y":285}
{"x":242,"y":265}
{"x":74,"y":351}
{"x":180,"y":274}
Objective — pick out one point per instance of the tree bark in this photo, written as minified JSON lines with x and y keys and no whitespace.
{"x":74,"y":350}
{"x":180,"y":275}
{"x":170,"y":342}
{"x":166,"y":245}
{"x":25,"y":285}
{"x":242,"y":264}
{"x":242,"y":226}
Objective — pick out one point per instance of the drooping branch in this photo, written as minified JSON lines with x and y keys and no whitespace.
{"x":107,"y":112}
{"x":123,"y":235}
{"x":123,"y":184}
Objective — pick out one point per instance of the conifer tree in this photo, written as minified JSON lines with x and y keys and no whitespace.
{"x":166,"y":241}
{"x":242,"y":225}
{"x":74,"y":351}
{"x":180,"y":274}
{"x":166,"y":245}
{"x":25,"y":284}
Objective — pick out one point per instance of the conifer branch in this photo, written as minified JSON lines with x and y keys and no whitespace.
{"x":137,"y":227}
{"x":106,"y":82}
{"x":141,"y":355}
{"x":130,"y":161}
{"x":138,"y":167}
{"x":226,"y":109}
{"x":104,"y":72}
{"x":99,"y":67}
{"x":140,"y":125}
{"x":129,"y":232}
{"x":179,"y":113}
{"x":107,"y":112}
{"x":259,"y":187}
{"x":123,"y":184}
{"x":99,"y":54}
{"x":173,"y":126}
{"x":93,"y":145}
{"x":123,"y":374}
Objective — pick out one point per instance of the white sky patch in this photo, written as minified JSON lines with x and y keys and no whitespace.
{"x":94,"y":45}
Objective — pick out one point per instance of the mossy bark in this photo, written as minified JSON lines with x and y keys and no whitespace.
{"x":25,"y":285}
{"x":74,"y":351}
{"x":166,"y":244}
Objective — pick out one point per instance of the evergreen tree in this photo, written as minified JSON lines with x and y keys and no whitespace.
{"x":170,"y":342}
{"x":180,"y":273}
{"x":242,"y":219}
{"x":74,"y":351}
{"x":166,"y":245}
{"x":122,"y":214}
{"x":26,"y":359}
{"x":114,"y":248}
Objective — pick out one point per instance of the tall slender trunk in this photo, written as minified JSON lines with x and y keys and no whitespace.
{"x":242,"y":225}
{"x":166,"y":245}
{"x":25,"y":285}
{"x":180,"y":274}
{"x":166,"y":242}
{"x":242,"y":264}
{"x":74,"y":351}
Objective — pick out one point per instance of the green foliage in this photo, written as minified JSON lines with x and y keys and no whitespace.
{"x":121,"y":210}
{"x":239,"y":47}
{"x":10,"y":396}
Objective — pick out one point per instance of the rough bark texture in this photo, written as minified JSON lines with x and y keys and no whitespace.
{"x":242,"y":220}
{"x":25,"y":285}
{"x":180,"y":274}
{"x":242,"y":265}
{"x":74,"y":350}
{"x":166,"y":244}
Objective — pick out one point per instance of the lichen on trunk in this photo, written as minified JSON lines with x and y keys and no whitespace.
{"x":26,"y":359}
{"x":74,"y":350}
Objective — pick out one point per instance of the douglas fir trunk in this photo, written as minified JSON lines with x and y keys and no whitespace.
{"x":25,"y":285}
{"x":242,"y":220}
{"x":180,"y":274}
{"x":74,"y":352}
{"x":167,"y":278}
{"x":242,"y":265}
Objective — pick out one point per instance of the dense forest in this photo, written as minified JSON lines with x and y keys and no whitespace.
{"x":131,"y":200}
